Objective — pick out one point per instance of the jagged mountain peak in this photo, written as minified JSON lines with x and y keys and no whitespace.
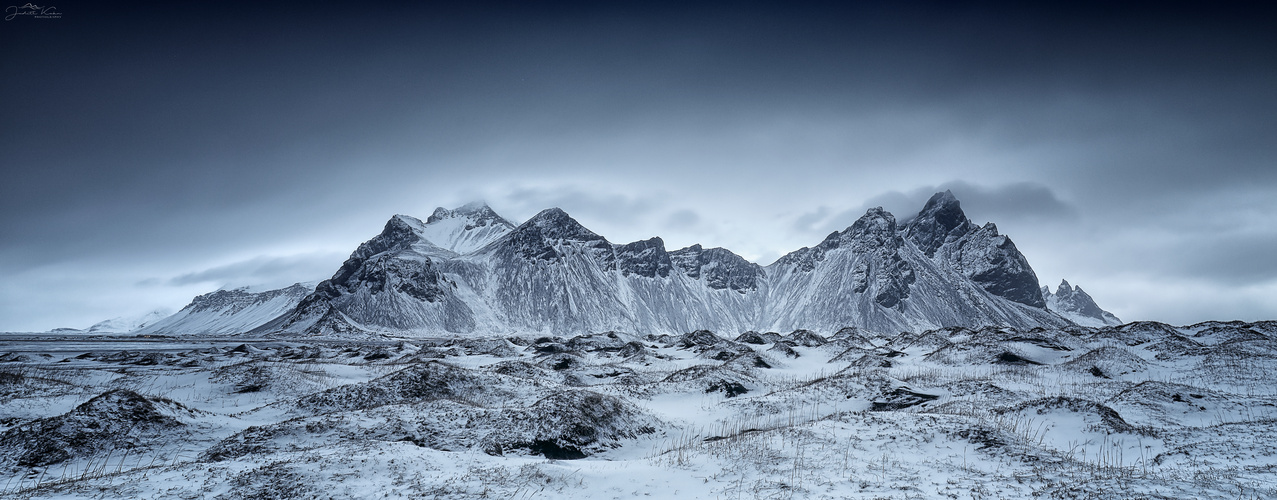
{"x":401,"y":231}
{"x":653,"y":245}
{"x":876,"y":221}
{"x":653,"y":242}
{"x":405,"y":221}
{"x":943,"y":232}
{"x":716,"y":253}
{"x":552,"y":214}
{"x":1065,"y":290}
{"x":945,"y":197}
{"x":463,"y":229}
{"x":478,"y":212}
{"x":944,"y":208}
{"x":554,"y":223}
{"x":644,"y":258}
{"x":543,"y":236}
{"x":940,"y":220}
{"x":877,"y":227}
{"x":1076,"y":305}
{"x":718,"y":267}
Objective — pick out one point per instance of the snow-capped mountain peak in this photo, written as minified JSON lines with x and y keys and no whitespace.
{"x":876,"y":227}
{"x":463,"y":229}
{"x":476,"y":212}
{"x":401,"y":231}
{"x":940,"y":220}
{"x":1076,"y":305}
{"x":554,"y":223}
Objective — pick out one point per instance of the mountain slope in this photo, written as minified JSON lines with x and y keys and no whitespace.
{"x":553,"y":274}
{"x":871,"y":276}
{"x":229,"y":311}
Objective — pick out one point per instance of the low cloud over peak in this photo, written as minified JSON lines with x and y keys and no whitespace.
{"x":265,"y":270}
{"x":998,"y":203}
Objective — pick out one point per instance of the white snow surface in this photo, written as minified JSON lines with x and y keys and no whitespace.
{"x":461,"y":230}
{"x":1141,"y":410}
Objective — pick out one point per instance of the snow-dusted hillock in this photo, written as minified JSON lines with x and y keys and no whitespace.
{"x":570,"y":424}
{"x":114,"y":420}
{"x":428,"y":381}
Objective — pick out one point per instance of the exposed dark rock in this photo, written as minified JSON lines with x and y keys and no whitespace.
{"x":900,"y":398}
{"x":1010,"y":358}
{"x":752,"y":337}
{"x":806,"y":338}
{"x":554,"y":451}
{"x":720,"y":268}
{"x":731,"y":389}
{"x":646,"y":258}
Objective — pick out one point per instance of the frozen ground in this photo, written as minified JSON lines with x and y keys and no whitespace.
{"x":1144,"y":410}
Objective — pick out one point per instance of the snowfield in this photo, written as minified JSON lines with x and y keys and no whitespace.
{"x":1142,"y":410}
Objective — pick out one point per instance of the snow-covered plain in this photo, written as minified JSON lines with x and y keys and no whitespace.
{"x":1142,"y":410}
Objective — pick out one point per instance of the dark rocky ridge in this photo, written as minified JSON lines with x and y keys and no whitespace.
{"x":942,"y":231}
{"x":720,"y":267}
{"x":644,"y":258}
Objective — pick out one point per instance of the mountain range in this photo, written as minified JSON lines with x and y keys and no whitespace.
{"x":468,"y":270}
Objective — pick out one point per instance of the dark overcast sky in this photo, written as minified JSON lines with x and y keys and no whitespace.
{"x":153,"y":152}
